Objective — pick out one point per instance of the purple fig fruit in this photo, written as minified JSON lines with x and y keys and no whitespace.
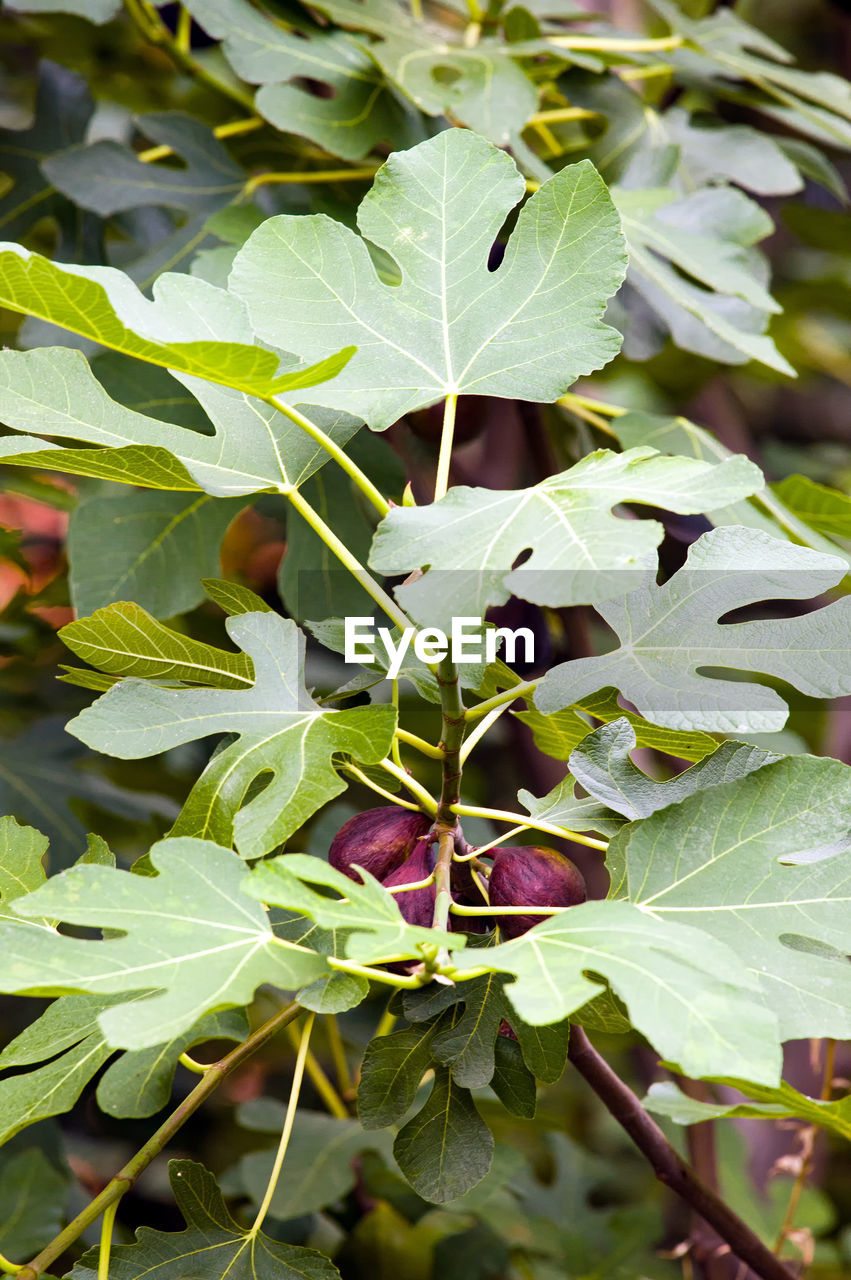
{"x":536,"y":876}
{"x":417,"y":906}
{"x":379,"y":840}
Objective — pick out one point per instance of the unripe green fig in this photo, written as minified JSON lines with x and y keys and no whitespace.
{"x":417,"y":907}
{"x":536,"y":876}
{"x":379,"y":840}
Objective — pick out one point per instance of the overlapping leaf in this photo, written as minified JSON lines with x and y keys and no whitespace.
{"x":481,"y":86}
{"x":107,"y":178}
{"x":684,"y":990}
{"x":150,"y":547}
{"x":124,"y":640}
{"x":66,"y":1047}
{"x":580,"y":550}
{"x":358,"y":109}
{"x":451,"y":326}
{"x":378,"y":929}
{"x":691,"y":258}
{"x":212,"y":1245}
{"x":762,"y":1104}
{"x":63,"y":108}
{"x":670,"y":633}
{"x":761,"y":864}
{"x":54,"y":392}
{"x":601,"y":765}
{"x":188,"y":935}
{"x":282,"y":733}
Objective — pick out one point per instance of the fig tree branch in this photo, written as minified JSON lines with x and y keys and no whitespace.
{"x":669,"y":1167}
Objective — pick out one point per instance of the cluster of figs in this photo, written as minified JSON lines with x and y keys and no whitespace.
{"x":394,"y":845}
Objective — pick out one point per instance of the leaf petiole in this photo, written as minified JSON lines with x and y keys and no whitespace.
{"x":292,"y":1106}
{"x":503,"y":815}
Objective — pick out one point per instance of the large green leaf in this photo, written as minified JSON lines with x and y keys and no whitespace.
{"x":580,"y":550}
{"x":282,"y":732}
{"x":212,"y":1246}
{"x":173,"y":330}
{"x":147,"y":546}
{"x":670,"y":633}
{"x":255,"y":447}
{"x":187,"y":933}
{"x":320,"y":1166}
{"x":368,"y":912}
{"x":450,"y":326}
{"x":685,"y":991}
{"x":446,"y":1148}
{"x":762,"y":865}
{"x":692,"y":260}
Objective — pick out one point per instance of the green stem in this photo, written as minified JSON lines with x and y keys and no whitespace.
{"x":292,"y":1106}
{"x":516,"y":691}
{"x":427,"y":802}
{"x":302,"y":176}
{"x":447,"y":435}
{"x":381,"y":791}
{"x":10,"y":1268}
{"x":198,"y":1068}
{"x":127,"y":1176}
{"x":153,"y":29}
{"x":338,"y":1055}
{"x":344,"y":555}
{"x":106,"y":1239}
{"x":419,"y":744}
{"x":481,"y":729}
{"x":503,"y":815}
{"x":334,"y":451}
{"x":320,"y":1081}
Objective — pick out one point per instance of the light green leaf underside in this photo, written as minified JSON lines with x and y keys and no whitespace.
{"x":282,"y":732}
{"x":255,"y":447}
{"x":763,"y":865}
{"x":581,"y":552}
{"x":669,"y":633}
{"x":684,"y":991}
{"x":768,"y":510}
{"x":451,"y":326}
{"x":189,"y":935}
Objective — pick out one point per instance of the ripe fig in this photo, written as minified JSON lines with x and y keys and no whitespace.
{"x":417,"y":907}
{"x":537,"y":876}
{"x":379,"y":840}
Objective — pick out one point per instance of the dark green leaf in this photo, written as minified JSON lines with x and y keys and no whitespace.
{"x":446,"y":1148}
